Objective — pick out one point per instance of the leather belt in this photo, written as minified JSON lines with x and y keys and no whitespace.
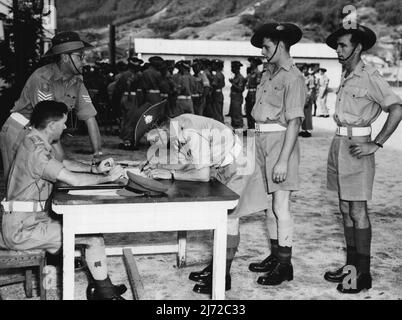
{"x":132,"y":93}
{"x":184,"y":97}
{"x":353,"y":131}
{"x":269,"y":127}
{"x":233,"y":153}
{"x":23,"y":206}
{"x":19,"y":118}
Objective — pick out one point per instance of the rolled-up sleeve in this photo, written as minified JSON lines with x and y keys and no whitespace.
{"x":295,"y":99}
{"x":84,"y":107}
{"x":381,"y":92}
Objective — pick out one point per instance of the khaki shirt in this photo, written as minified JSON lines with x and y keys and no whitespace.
{"x":33,"y":171}
{"x":238,"y":84}
{"x":361,"y":97}
{"x":253,"y":79}
{"x":280,"y":96}
{"x":48,"y":83}
{"x":201,"y":142}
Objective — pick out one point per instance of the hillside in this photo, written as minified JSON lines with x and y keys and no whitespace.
{"x":225,"y":19}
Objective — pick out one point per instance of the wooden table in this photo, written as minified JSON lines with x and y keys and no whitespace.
{"x":187,"y":206}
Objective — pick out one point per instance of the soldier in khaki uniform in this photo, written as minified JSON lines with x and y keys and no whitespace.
{"x":253,"y":80}
{"x":361,"y":97}
{"x":205,"y":149}
{"x":236,"y":95}
{"x":27,"y":223}
{"x":217,"y":85}
{"x":127,"y":87}
{"x":150,"y":80}
{"x":278,"y":112}
{"x":198,"y":96}
{"x":60,"y":81}
{"x":186,"y":86}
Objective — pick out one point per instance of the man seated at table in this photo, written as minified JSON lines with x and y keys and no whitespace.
{"x":202,"y":149}
{"x":27,"y":221}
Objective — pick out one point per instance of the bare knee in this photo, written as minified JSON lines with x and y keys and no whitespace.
{"x":358,"y":213}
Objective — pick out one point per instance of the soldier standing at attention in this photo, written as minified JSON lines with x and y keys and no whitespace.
{"x":60,"y":81}
{"x":278,"y":112}
{"x":128,"y":84}
{"x":150,"y":80}
{"x":323,"y":82}
{"x":197,"y":96}
{"x":253,"y":80}
{"x":218,"y":83}
{"x":236,"y":95}
{"x":361,"y":97}
{"x":186,"y":86}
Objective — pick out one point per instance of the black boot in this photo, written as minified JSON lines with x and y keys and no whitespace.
{"x":205,"y":285}
{"x":363,"y":281}
{"x":201,"y":275}
{"x":281,"y":272}
{"x":337,"y":275}
{"x":93,"y":294}
{"x":266,"y":265}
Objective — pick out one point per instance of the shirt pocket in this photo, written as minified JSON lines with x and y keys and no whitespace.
{"x":356,"y":100}
{"x":275,"y":96}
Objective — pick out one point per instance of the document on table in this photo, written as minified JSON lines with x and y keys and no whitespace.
{"x":96,"y":192}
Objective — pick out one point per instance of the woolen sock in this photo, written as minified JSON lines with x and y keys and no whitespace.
{"x":285,"y":232}
{"x":95,"y":257}
{"x":351,"y":256}
{"x":274,"y":247}
{"x":231,"y":249}
{"x":363,"y":247}
{"x":284,"y":255}
{"x":272,"y":224}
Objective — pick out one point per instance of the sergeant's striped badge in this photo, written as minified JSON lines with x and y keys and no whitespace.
{"x":86,"y":98}
{"x":43,"y":96}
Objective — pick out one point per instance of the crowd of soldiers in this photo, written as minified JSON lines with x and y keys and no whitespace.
{"x":196,"y":87}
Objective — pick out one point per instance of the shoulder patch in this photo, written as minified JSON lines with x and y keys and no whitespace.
{"x":86,"y":98}
{"x":44,"y":92}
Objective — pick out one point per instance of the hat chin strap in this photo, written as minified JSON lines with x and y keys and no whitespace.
{"x":75,"y":67}
{"x":273,"y":55}
{"x":346,"y":59}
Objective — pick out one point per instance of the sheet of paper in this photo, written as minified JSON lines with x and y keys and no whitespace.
{"x":97,"y":192}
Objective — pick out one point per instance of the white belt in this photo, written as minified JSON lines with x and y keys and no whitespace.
{"x":23,"y":206}
{"x":233,"y":154}
{"x":197,"y":95}
{"x":154,"y":91}
{"x":354,"y":131}
{"x":184,"y":97}
{"x":252,"y":90}
{"x":132,"y":93}
{"x":164,"y":95}
{"x":19,"y":118}
{"x":269,"y":127}
{"x":218,"y":90}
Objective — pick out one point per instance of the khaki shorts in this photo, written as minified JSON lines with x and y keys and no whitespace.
{"x":268,"y":148}
{"x":36,"y":230}
{"x":351,"y":177}
{"x":249,"y":187}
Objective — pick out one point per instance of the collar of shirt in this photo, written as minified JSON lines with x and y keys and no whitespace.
{"x":58,"y":75}
{"x":285,"y":66}
{"x":37,"y":133}
{"x":358,"y":71}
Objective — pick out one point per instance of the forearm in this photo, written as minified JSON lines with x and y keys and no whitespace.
{"x":290,"y":139}
{"x":76,"y":166}
{"x":81,"y":179}
{"x":94,"y":134}
{"x":390,"y":125}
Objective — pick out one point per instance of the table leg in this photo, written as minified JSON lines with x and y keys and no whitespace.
{"x":68,"y":261}
{"x":181,"y":254}
{"x":219,"y":262}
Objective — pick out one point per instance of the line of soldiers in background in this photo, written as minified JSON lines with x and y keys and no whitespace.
{"x":196,"y":88}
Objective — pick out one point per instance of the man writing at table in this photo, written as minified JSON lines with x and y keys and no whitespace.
{"x":202,"y":149}
{"x":27,"y":223}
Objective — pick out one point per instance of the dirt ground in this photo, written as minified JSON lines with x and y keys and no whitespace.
{"x":318,"y":239}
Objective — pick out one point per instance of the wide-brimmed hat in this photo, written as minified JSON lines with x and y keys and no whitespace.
{"x":144,"y":185}
{"x":66,"y":42}
{"x":134,"y":62}
{"x":236,"y":64}
{"x":183,"y":64}
{"x":288,"y":32}
{"x":322,"y":69}
{"x":364,"y":35}
{"x":256,"y":60}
